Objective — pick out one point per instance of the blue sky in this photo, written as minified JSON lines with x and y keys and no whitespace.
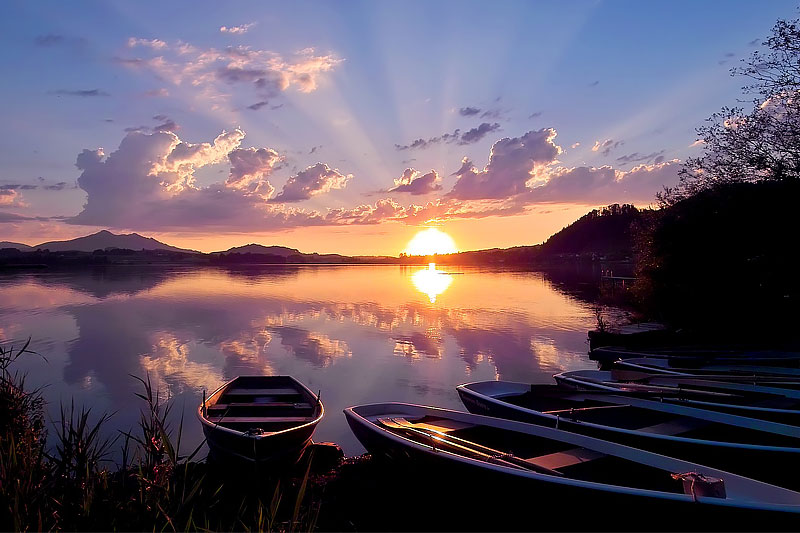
{"x":344,"y":86}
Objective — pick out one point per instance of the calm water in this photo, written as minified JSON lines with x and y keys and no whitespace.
{"x":357,"y":333}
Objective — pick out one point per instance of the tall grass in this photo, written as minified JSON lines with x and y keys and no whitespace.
{"x":72,"y":485}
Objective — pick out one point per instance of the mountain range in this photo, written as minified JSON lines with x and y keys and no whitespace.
{"x":98,"y":241}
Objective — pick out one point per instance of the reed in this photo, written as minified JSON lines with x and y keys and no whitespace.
{"x":73,"y":485}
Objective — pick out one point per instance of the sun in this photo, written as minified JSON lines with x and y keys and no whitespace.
{"x":431,"y":241}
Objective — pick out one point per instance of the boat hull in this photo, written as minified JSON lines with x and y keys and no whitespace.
{"x":763,"y":462}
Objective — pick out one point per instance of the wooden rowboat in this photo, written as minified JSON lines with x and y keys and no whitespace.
{"x":551,"y":467}
{"x":609,"y":354}
{"x":734,"y":443}
{"x":260,"y":419}
{"x":657,"y":365}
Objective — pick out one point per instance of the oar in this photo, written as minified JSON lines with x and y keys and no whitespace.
{"x":485,"y":453}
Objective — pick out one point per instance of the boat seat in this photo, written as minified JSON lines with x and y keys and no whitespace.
{"x":554,"y":461}
{"x":260,"y":419}
{"x":260,"y":404}
{"x":261,"y":392}
{"x":675,"y":427}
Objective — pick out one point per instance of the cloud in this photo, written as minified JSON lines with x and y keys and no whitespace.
{"x":605,"y":147}
{"x":605,"y":184}
{"x":476,"y":134}
{"x":636,"y":157}
{"x":157,"y":93}
{"x":469,"y":137}
{"x":535,"y":114}
{"x":468,"y":111}
{"x":258,"y":105}
{"x":250,"y":167}
{"x":210,"y":70}
{"x":237,"y":30}
{"x":167,"y":125}
{"x":416,"y":183}
{"x":698,"y":142}
{"x":60,"y":186}
{"x":80,"y":92}
{"x":512,"y":162}
{"x":17,"y":187}
{"x":9,"y":197}
{"x":51,"y":40}
{"x":595,"y":83}
{"x":754,"y":42}
{"x":575,"y":145}
{"x":155,"y":44}
{"x":314,"y":180}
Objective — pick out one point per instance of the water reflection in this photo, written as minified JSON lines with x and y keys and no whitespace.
{"x":431,"y":281}
{"x":360,"y":334}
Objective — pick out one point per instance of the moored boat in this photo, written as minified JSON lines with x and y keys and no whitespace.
{"x":260,"y":419}
{"x":607,"y":355}
{"x":678,"y":384}
{"x":736,"y":443}
{"x":559,"y":467}
{"x":659,"y":365}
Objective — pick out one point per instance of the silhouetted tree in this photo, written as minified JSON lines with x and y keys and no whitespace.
{"x":763,"y":144}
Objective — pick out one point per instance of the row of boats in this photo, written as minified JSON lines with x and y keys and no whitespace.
{"x":694,"y":433}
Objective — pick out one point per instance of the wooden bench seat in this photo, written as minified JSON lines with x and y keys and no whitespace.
{"x":290,"y":405}
{"x":260,"y":419}
{"x":557,"y":460}
{"x":261,"y":392}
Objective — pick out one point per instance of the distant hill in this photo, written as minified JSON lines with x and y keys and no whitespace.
{"x":105,"y":239}
{"x":19,"y":246}
{"x":603,"y":232}
{"x":253,"y":248}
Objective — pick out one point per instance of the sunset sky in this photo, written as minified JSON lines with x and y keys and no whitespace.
{"x":348,"y":127}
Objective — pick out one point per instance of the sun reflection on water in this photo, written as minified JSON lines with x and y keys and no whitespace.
{"x":431,"y":281}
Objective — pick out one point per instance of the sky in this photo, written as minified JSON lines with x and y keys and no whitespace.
{"x":348,"y":127}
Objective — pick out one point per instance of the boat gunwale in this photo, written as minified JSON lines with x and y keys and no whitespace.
{"x":758,"y":505}
{"x":635,"y":432}
{"x":215,"y":426}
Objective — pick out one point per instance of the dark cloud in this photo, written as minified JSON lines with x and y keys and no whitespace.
{"x":168,"y":125}
{"x":60,"y":186}
{"x":476,"y":134}
{"x":80,"y":92}
{"x":636,"y":157}
{"x":535,"y":114}
{"x":50,"y":40}
{"x":17,"y":187}
{"x":416,"y":183}
{"x":754,"y":42}
{"x":468,"y":111}
{"x":605,"y":147}
{"x":315,"y":149}
{"x":492,"y":113}
{"x":471,"y":136}
{"x":595,"y":83}
{"x":258,"y":105}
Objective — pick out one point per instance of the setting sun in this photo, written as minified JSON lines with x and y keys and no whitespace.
{"x":431,"y":241}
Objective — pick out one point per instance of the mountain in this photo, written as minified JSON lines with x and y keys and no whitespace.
{"x":252,"y":248}
{"x":105,"y":239}
{"x":603,"y":232}
{"x":19,"y":246}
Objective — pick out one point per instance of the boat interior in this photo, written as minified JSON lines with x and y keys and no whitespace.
{"x":574,"y":406}
{"x":269,"y":403}
{"x":529,"y":452}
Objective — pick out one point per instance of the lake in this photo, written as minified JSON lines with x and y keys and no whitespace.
{"x":358,"y":334}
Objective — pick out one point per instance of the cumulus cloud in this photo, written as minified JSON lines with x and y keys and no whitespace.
{"x":512,"y":163}
{"x":605,"y":184}
{"x":314,"y":180}
{"x":8,"y":197}
{"x":237,"y":30}
{"x":416,"y":183}
{"x":209,"y":70}
{"x":250,"y":167}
